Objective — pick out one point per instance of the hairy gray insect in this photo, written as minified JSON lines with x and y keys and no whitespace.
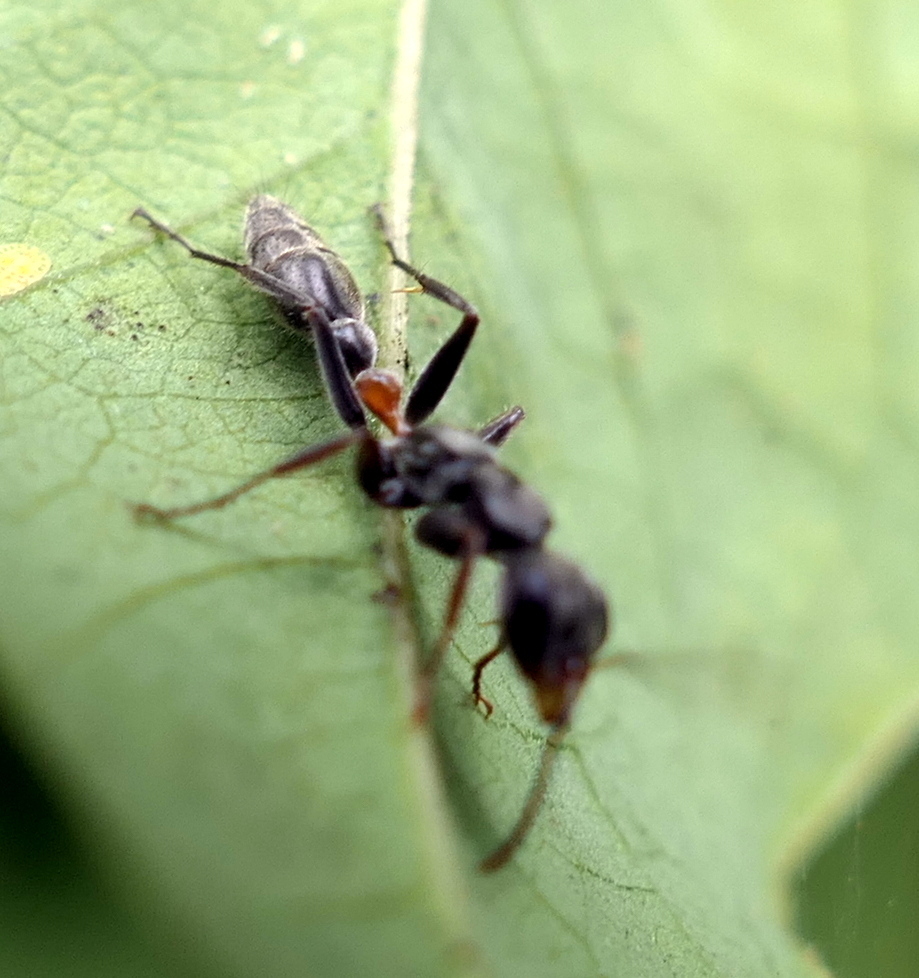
{"x":291,"y":263}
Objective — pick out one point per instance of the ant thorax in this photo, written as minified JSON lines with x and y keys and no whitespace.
{"x":439,"y":463}
{"x":477,"y":504}
{"x":426,"y":466}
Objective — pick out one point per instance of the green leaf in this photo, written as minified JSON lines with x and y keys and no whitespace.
{"x":688,"y":230}
{"x":698,"y":224}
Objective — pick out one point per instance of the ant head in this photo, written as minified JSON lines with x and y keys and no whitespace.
{"x":380,"y":391}
{"x":555,"y":620}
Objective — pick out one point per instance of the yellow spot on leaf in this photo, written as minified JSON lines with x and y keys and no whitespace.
{"x":21,"y":265}
{"x":269,"y":35}
{"x":295,"y":51}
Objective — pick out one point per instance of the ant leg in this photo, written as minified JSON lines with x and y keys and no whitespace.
{"x":338,"y":383}
{"x":297,"y":461}
{"x":261,"y":280}
{"x":428,"y":284}
{"x":437,"y":376}
{"x":470,"y":553}
{"x":187,"y":245}
{"x":498,"y":430}
{"x":477,"y":677}
{"x":531,"y":806}
{"x":338,"y":380}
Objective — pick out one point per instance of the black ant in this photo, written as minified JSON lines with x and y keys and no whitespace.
{"x":553,"y":618}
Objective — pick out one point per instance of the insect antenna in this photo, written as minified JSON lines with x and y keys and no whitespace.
{"x":531,"y":807}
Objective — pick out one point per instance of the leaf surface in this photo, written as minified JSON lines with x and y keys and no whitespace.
{"x":688,"y":233}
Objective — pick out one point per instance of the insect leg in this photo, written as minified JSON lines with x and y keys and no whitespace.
{"x":187,"y":245}
{"x":338,"y":383}
{"x":477,"y":677}
{"x":299,"y":460}
{"x":531,"y":806}
{"x":437,"y":376}
{"x":470,"y":553}
{"x":498,"y":430}
{"x":261,"y":280}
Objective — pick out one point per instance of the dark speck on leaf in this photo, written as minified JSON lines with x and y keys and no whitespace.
{"x":95,"y":316}
{"x":388,"y":596}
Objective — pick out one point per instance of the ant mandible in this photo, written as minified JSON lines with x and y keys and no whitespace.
{"x":553,"y":618}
